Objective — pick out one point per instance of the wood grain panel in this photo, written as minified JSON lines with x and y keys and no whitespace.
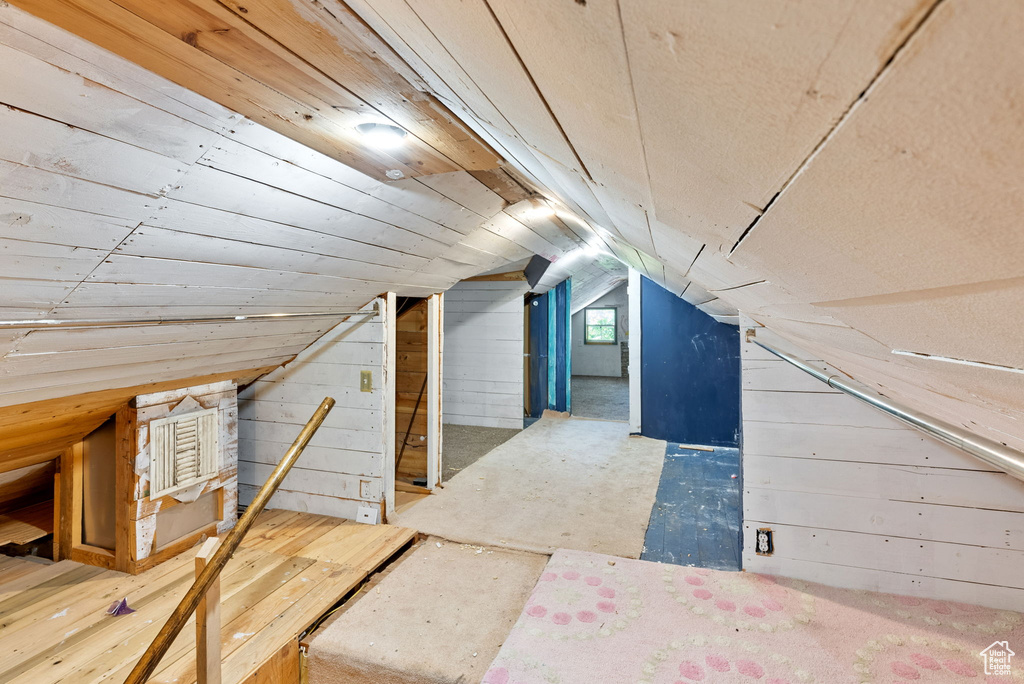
{"x":224,"y":55}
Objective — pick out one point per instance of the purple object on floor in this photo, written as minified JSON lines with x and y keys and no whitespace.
{"x":120,"y":608}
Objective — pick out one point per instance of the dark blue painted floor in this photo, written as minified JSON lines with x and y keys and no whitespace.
{"x":696,"y":515}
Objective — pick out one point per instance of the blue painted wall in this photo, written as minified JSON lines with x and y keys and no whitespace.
{"x":559,"y":346}
{"x":538,"y":345}
{"x":690,"y":372}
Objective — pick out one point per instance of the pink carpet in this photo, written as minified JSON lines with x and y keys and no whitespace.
{"x":593,"y":619}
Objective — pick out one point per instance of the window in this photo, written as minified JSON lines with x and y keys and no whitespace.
{"x":184,"y":451}
{"x":600,"y":325}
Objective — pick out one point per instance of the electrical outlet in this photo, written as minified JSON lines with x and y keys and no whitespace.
{"x":764,"y":546}
{"x":365,"y":381}
{"x":366,"y":515}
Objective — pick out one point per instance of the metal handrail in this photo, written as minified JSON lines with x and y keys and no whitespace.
{"x":156,"y":650}
{"x":996,"y":454}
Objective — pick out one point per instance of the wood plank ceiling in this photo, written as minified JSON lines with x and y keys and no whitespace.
{"x":847,"y":173}
{"x":124,"y":195}
{"x":305,"y":71}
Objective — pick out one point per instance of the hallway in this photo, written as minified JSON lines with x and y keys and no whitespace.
{"x":561,"y":483}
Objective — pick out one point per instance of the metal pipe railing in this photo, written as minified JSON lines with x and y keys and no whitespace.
{"x":54,"y":323}
{"x":998,"y":455}
{"x":156,"y":650}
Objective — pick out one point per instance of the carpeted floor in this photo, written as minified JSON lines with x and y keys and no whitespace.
{"x":439,"y":616}
{"x":600,"y":397}
{"x":464,"y":444}
{"x":561,"y":483}
{"x":594,"y":618}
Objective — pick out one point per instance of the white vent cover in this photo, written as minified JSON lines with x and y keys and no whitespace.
{"x":183,"y":451}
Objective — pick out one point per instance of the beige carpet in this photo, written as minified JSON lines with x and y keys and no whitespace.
{"x":439,"y":617}
{"x":562,"y":483}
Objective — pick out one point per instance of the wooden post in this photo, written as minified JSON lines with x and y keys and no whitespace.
{"x":208,"y":621}
{"x":58,"y":550}
{"x":124,"y":488}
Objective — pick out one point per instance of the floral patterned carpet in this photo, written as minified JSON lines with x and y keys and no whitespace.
{"x":595,"y":619}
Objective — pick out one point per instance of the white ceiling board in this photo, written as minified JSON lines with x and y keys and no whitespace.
{"x":585,"y":39}
{"x":594,"y":279}
{"x":963,"y":397}
{"x":719,"y":307}
{"x":112,"y":207}
{"x":34,"y":85}
{"x":35,"y":185}
{"x":212,"y":188}
{"x":56,"y":144}
{"x":56,"y":46}
{"x":921,"y":187}
{"x":480,"y":47}
{"x":466,"y":190}
{"x":48,"y":341}
{"x":20,"y":220}
{"x":970,"y":322}
{"x":168,"y":244}
{"x":676,"y":249}
{"x":44,"y":261}
{"x":548,"y":227}
{"x":734,"y":96}
{"x":332,"y":236}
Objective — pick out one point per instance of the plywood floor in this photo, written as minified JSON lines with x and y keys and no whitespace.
{"x":290,"y":570}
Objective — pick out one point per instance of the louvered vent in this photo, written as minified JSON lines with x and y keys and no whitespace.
{"x":183,"y":450}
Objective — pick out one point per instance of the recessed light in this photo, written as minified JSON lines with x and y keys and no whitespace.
{"x":382,"y":136}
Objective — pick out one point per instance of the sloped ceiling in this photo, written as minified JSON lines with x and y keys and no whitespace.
{"x":847,"y":173}
{"x":123,"y":195}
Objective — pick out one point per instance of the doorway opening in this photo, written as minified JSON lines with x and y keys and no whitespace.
{"x":600,"y":357}
{"x":411,"y":394}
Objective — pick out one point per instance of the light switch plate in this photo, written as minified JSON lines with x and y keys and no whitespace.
{"x":365,"y":381}
{"x":367,"y":515}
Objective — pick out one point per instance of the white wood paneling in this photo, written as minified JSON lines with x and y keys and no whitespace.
{"x":344,"y":466}
{"x":634,"y":290}
{"x":483,"y":354}
{"x":856,"y":498}
{"x":122,"y":194}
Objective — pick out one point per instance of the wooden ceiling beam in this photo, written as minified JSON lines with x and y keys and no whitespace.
{"x":285,"y":72}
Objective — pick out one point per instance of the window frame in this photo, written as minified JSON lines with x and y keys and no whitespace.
{"x":614,"y":325}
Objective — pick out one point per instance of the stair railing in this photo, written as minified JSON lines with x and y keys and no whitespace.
{"x":147,"y":664}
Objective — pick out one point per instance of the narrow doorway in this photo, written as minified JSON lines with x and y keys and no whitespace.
{"x":417,"y":392}
{"x":600,"y":357}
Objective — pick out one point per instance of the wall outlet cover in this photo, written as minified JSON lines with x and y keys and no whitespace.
{"x":764,"y":545}
{"x":367,"y":515}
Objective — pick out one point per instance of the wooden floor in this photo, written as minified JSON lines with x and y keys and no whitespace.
{"x":27,"y":524}
{"x":291,"y":569}
{"x":696,"y":516}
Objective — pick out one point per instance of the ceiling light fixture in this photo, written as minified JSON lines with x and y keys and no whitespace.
{"x":382,"y":136}
{"x":541,"y":210}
